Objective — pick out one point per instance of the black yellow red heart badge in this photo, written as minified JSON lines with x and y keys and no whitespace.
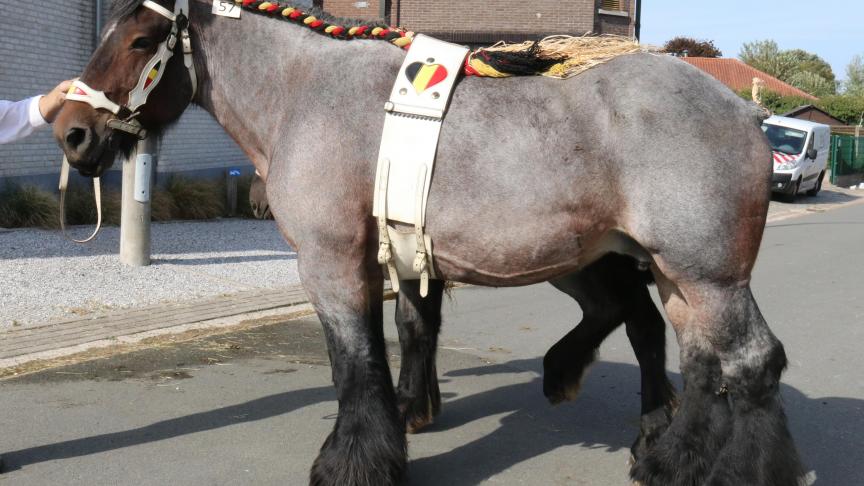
{"x":424,"y":76}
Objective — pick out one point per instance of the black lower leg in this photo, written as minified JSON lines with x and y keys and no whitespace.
{"x":418,"y":320}
{"x":607,"y":291}
{"x":367,"y":446}
{"x":566,"y":363}
{"x":684,"y":454}
{"x":760,"y":450}
{"x":646,"y":330}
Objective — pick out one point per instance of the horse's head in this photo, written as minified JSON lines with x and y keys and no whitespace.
{"x":139,"y":79}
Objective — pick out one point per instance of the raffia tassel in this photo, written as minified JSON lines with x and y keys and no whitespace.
{"x":575,"y":55}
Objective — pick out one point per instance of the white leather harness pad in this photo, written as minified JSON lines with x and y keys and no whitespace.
{"x":406,"y":158}
{"x":413,"y":124}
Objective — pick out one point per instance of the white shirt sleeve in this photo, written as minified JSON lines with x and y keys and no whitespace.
{"x":19,"y":119}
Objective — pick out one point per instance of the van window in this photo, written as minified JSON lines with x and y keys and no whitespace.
{"x":786,"y":140}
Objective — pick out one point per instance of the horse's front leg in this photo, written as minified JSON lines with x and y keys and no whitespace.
{"x":418,"y":320}
{"x":367,"y":446}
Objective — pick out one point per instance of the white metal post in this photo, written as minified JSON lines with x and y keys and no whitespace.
{"x":135,"y":212}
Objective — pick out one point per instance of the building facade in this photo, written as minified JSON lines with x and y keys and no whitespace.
{"x":39,"y":48}
{"x":488,"y":21}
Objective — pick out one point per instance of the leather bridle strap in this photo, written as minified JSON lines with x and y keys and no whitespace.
{"x":97,"y":192}
{"x":150,"y":76}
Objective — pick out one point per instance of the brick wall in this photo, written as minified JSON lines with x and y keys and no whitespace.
{"x":355,"y":9}
{"x":539,"y":16}
{"x":39,"y":48}
{"x":490,"y":20}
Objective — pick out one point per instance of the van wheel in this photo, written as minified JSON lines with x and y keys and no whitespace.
{"x":790,"y":198}
{"x":818,"y":187}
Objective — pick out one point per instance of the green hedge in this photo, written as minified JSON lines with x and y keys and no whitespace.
{"x":181,"y":199}
{"x":846,"y":108}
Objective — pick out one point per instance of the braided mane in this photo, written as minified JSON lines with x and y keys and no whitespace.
{"x":326,"y":24}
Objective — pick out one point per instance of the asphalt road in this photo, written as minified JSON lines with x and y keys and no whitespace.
{"x":253,"y":407}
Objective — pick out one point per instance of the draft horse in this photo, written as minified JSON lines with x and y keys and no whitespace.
{"x":535,"y":179}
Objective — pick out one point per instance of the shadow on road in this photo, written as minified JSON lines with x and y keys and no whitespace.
{"x":259,"y":409}
{"x":828,"y":430}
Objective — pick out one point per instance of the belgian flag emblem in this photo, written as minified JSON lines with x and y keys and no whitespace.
{"x":424,"y":76}
{"x":152,"y":75}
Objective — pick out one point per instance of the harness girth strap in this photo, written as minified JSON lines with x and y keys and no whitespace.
{"x":421,"y":260}
{"x":385,"y":254}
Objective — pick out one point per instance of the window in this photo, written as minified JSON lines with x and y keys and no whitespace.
{"x":613,"y":5}
{"x":786,"y":140}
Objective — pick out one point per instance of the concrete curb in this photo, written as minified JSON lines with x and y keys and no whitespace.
{"x":123,"y":329}
{"x":797,"y":212}
{"x":70,"y":336}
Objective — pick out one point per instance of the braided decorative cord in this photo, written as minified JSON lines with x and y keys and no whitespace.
{"x":558,"y":57}
{"x":394,"y":35}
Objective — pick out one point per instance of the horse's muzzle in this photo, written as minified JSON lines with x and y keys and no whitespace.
{"x":86,"y":152}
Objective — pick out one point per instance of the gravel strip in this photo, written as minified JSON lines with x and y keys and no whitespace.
{"x":43,"y":277}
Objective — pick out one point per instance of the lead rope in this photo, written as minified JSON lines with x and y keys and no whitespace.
{"x":97,"y":193}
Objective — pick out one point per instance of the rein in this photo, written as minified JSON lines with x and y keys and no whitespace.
{"x":97,"y":193}
{"x":126,"y":120}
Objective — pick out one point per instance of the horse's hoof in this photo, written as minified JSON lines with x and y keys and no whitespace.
{"x":559,"y":388}
{"x":416,"y":424}
{"x":367,"y":459}
{"x":417,"y":417}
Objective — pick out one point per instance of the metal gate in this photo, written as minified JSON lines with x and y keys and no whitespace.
{"x":847,"y":160}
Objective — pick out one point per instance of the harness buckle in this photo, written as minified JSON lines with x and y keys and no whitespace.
{"x":172,"y":40}
{"x":182,"y":21}
{"x":421,"y":262}
{"x":132,"y":127}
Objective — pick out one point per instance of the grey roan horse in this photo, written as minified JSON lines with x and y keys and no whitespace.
{"x":536,"y":179}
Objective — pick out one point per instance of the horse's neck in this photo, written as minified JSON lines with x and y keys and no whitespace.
{"x":258,"y":76}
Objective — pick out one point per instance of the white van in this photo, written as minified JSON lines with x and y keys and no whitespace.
{"x":800,"y":150}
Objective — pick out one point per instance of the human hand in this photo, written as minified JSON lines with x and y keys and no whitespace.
{"x":51,"y":103}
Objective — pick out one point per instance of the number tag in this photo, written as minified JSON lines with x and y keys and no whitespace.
{"x":226,"y":8}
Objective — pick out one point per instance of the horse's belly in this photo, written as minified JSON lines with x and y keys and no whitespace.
{"x":514,"y":253}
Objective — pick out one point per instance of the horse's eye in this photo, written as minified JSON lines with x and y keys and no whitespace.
{"x":142,"y":43}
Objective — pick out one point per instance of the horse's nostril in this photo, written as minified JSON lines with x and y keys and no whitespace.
{"x":75,"y":137}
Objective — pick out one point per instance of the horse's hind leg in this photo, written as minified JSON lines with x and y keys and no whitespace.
{"x":418,"y":320}
{"x":646,"y":330}
{"x":610,"y":291}
{"x":730,"y":428}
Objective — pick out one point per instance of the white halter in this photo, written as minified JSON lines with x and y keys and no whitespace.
{"x":150,"y":76}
